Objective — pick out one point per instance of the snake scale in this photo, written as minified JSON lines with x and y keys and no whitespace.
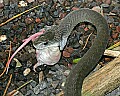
{"x":58,"y":36}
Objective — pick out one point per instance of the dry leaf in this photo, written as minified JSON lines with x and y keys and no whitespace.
{"x":18,"y":63}
{"x":98,"y":9}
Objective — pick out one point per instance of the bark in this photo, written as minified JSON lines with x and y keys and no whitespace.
{"x":112,"y":53}
{"x":104,"y":80}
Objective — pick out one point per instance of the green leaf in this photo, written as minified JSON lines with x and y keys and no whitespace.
{"x":76,"y":60}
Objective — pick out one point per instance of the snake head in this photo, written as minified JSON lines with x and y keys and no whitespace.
{"x":45,"y":40}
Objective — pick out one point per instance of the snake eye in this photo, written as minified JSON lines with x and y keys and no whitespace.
{"x":45,"y":43}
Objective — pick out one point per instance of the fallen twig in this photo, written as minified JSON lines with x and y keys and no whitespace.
{"x":14,"y":91}
{"x":25,"y":42}
{"x":115,"y":45}
{"x":18,"y":15}
{"x":32,"y":37}
{"x":86,"y":41}
{"x":7,"y":85}
{"x":8,"y":60}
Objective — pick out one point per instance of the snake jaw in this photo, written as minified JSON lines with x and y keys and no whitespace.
{"x":45,"y":40}
{"x":63,"y":42}
{"x":47,"y":44}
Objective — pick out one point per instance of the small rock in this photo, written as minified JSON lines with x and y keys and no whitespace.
{"x":116,"y":24}
{"x":60,"y":94}
{"x":63,"y":84}
{"x":106,"y":8}
{"x":30,"y":93}
{"x":107,"y":1}
{"x":22,"y":3}
{"x":6,"y":2}
{"x":61,"y":1}
{"x":104,"y":5}
{"x":1,"y":13}
{"x":1,"y":1}
{"x":66,"y":3}
{"x":55,"y":14}
{"x":1,"y":5}
{"x":41,"y":76}
{"x":37,"y":89}
{"x":32,"y":14}
{"x":26,"y":71}
{"x":52,"y":94}
{"x":22,"y":24}
{"x":43,"y":85}
{"x":55,"y":84}
{"x":40,"y":1}
{"x":115,"y":10}
{"x":28,"y":20}
{"x":81,"y":42}
{"x":66,"y":73}
{"x":33,"y":83}
{"x":30,"y":1}
{"x":52,"y":72}
{"x":57,"y":66}
{"x":40,"y":87}
{"x":110,"y":20}
{"x":3,"y":38}
{"x":49,"y":80}
{"x":76,"y":45}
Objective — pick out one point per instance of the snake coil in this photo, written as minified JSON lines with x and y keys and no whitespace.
{"x":75,"y":79}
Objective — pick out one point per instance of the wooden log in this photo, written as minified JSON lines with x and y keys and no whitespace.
{"x":112,"y":53}
{"x":104,"y":80}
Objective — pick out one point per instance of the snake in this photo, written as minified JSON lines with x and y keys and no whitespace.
{"x":57,"y":37}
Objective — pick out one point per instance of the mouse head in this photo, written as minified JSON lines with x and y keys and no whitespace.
{"x":45,"y":40}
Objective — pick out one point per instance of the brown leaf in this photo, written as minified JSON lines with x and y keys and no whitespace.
{"x":37,"y":20}
{"x":118,"y":29}
{"x":75,"y":8}
{"x":69,"y":49}
{"x":62,"y":15}
{"x":115,"y":35}
{"x":98,"y":9}
{"x":107,"y":1}
{"x":66,"y":54}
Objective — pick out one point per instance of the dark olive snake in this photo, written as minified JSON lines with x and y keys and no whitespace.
{"x":59,"y":36}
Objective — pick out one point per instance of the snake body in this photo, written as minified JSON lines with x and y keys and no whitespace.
{"x":59,"y":36}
